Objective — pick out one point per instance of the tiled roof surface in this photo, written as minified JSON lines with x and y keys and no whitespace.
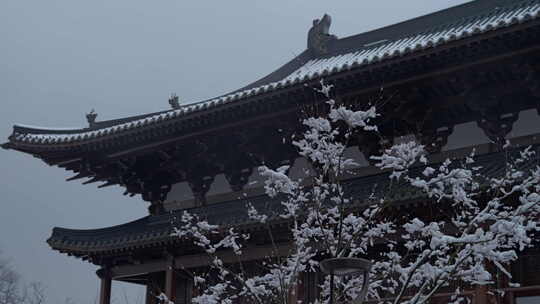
{"x":456,"y":23}
{"x":155,"y":230}
{"x":384,"y":49}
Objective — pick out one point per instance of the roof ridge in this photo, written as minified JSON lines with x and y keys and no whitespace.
{"x":484,"y":7}
{"x":347,"y":57}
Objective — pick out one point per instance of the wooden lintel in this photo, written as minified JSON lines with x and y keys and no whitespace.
{"x":250,"y":254}
{"x":192,"y":261}
{"x":118,"y":272}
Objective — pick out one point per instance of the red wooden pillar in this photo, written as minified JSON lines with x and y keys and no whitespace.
{"x":106,"y":282}
{"x":296,"y":292}
{"x":481,"y":294}
{"x":152,"y":289}
{"x":300,"y":288}
{"x":151,"y":298}
{"x":509,"y":297}
{"x":170,"y":281}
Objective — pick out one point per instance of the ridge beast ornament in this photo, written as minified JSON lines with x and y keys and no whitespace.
{"x":319,"y":38}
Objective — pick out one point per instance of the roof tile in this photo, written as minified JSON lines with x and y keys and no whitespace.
{"x":491,"y":15}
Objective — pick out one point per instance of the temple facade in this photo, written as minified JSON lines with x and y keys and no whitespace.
{"x":462,"y":78}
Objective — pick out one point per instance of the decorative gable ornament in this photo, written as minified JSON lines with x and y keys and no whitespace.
{"x":91,"y":118}
{"x":174,"y":101}
{"x":319,"y":37}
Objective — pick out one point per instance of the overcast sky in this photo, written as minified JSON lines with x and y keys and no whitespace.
{"x":60,"y":59}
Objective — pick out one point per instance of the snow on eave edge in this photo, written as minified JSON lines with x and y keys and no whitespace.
{"x":336,"y":64}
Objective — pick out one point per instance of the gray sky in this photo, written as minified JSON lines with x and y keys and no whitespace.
{"x":59,"y":59}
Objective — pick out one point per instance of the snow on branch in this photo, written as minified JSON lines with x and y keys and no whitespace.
{"x":480,"y":223}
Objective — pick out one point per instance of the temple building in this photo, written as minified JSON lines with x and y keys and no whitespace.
{"x":463,"y":77}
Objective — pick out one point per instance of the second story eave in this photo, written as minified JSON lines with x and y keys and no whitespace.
{"x":154,"y":232}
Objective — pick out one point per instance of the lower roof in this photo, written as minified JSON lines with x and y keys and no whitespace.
{"x":155,"y":231}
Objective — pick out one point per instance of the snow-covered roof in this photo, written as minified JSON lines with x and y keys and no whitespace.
{"x":353,"y":52}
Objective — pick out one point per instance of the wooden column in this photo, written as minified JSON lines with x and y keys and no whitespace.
{"x":296,"y":292}
{"x":150,"y":295}
{"x":509,"y":297}
{"x":301,"y":288}
{"x":106,"y":282}
{"x":151,"y":290}
{"x":293,"y":296}
{"x":170,"y":280}
{"x":480,"y":294}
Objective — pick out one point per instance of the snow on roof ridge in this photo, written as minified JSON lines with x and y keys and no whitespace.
{"x":500,"y":17}
{"x":458,"y":30}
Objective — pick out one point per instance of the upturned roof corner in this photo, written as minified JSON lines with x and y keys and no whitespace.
{"x":6,"y":145}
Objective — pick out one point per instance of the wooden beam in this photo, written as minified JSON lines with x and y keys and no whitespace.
{"x":250,"y":254}
{"x":132,"y":270}
{"x":467,"y":293}
{"x":198,"y":260}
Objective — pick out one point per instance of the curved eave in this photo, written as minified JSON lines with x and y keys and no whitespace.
{"x":298,"y":72}
{"x":154,"y":231}
{"x":140,"y":233}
